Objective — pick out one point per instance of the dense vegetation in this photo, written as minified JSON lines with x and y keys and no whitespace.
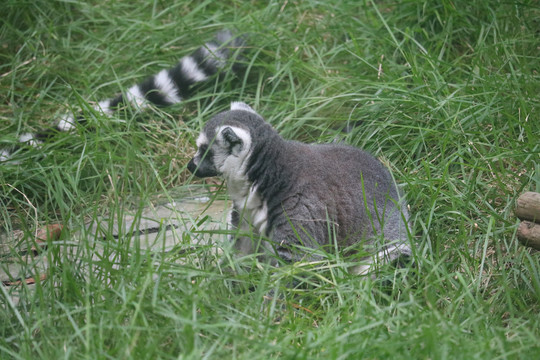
{"x":445,"y":93}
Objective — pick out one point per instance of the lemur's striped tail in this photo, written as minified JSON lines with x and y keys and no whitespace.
{"x":168,"y":87}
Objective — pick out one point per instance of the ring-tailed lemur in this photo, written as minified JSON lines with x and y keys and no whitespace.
{"x":169,"y":86}
{"x":302,"y":196}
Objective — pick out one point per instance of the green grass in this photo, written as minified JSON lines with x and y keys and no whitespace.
{"x":446,"y":93}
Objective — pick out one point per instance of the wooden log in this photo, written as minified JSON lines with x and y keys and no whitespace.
{"x":528,"y":206}
{"x":528,"y":234}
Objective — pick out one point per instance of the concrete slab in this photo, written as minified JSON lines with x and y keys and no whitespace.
{"x":159,"y":227}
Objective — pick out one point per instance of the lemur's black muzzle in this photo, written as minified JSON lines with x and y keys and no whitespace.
{"x":202,"y":170}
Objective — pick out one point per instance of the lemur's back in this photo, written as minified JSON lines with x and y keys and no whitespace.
{"x":352,"y":188}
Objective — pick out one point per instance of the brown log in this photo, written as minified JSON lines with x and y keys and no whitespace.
{"x":528,"y":234}
{"x":528,"y":206}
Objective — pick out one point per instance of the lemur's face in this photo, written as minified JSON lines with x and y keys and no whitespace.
{"x":224,"y":154}
{"x":224,"y":145}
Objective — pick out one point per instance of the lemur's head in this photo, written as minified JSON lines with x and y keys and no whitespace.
{"x":226,"y":143}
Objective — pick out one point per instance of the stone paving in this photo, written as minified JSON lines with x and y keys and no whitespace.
{"x":157,"y":227}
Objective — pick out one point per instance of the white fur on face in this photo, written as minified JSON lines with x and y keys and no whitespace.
{"x":232,"y":166}
{"x":202,"y":139}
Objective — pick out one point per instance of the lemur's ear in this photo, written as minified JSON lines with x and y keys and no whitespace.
{"x":230,"y":136}
{"x":238,"y":105}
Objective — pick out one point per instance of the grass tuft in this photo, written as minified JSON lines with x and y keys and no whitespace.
{"x":445,"y":94}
